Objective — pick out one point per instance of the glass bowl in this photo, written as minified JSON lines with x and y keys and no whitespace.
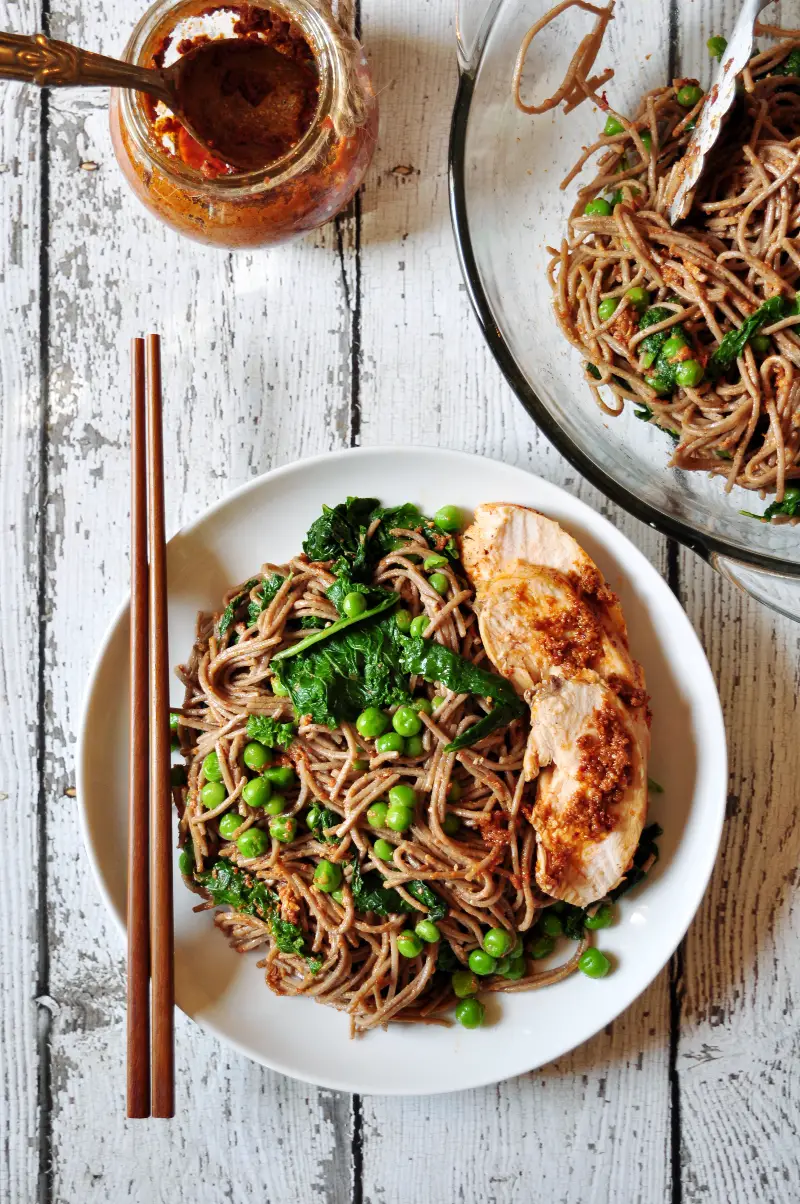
{"x":507,"y":207}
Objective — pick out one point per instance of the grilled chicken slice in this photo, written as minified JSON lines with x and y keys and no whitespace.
{"x":591,"y":800}
{"x":552,"y":626}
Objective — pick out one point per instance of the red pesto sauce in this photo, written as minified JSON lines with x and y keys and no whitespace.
{"x":261,"y":25}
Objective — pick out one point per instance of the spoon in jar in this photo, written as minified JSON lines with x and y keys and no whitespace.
{"x":240,"y":99}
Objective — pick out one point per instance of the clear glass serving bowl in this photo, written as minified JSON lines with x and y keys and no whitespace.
{"x":507,"y":207}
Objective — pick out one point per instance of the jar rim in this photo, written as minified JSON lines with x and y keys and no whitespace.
{"x":325,"y":47}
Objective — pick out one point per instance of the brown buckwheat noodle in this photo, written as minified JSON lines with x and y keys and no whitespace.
{"x":737,"y":248}
{"x":484,"y":873}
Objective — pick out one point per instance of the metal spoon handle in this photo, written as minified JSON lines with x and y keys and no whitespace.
{"x":41,"y":60}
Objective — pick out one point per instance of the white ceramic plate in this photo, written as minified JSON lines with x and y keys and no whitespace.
{"x":223,"y":991}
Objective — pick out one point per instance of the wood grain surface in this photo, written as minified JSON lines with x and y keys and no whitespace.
{"x":360,"y":333}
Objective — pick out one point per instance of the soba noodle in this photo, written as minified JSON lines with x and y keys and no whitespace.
{"x":482,"y":873}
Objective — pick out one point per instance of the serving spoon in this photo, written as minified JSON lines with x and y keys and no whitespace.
{"x":720,"y":100}
{"x":217,"y":89}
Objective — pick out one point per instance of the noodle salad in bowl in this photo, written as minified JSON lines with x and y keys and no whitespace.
{"x":387,"y":801}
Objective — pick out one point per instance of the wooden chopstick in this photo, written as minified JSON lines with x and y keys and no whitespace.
{"x":138,"y":801}
{"x":161,"y":927}
{"x":151,"y":1075}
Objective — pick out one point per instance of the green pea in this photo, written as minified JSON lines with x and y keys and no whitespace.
{"x":230,"y":824}
{"x":211,"y":768}
{"x":282,"y":776}
{"x":602,"y":918}
{"x":174,"y":720}
{"x":427,"y":931}
{"x":390,"y":742}
{"x":639,"y":298}
{"x":541,"y":946}
{"x":448,"y":518}
{"x":437,"y":701}
{"x":354,"y":604}
{"x":338,"y":896}
{"x":279,"y":689}
{"x":482,"y":963}
{"x":451,"y":824}
{"x":551,"y":925}
{"x":252,"y":843}
{"x":599,"y":207}
{"x":689,"y":95}
{"x":406,"y":721}
{"x":408,"y":945}
{"x":647,"y":139}
{"x":372,"y":723}
{"x":613,"y":126}
{"x":594,"y":964}
{"x":403,"y":620}
{"x":376,"y":815}
{"x":276,"y":805}
{"x":360,"y":765}
{"x":717,"y":47}
{"x":470,"y":1013}
{"x":673,"y":345}
{"x":186,"y":861}
{"x":177,"y":776}
{"x":496,"y":942}
{"x":607,"y":308}
{"x":383,"y":850}
{"x":761,"y":343}
{"x":256,"y":756}
{"x":434,"y":562}
{"x":454,"y":792}
{"x":312,"y":816}
{"x":414,"y":746}
{"x":439,"y":582}
{"x":399,"y":819}
{"x":257,"y":792}
{"x":327,"y":876}
{"x":419,"y":626}
{"x":212,"y":794}
{"x":689,"y":373}
{"x":423,"y":705}
{"x":464,"y":983}
{"x":403,"y":795}
{"x":516,"y":969}
{"x":283,"y":828}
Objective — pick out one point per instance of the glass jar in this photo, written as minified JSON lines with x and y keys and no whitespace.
{"x":297,"y":193}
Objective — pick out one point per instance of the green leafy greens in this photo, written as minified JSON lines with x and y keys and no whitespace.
{"x":321,"y":818}
{"x":369,"y":894}
{"x":735,"y":341}
{"x":790,"y":506}
{"x":789,"y":66}
{"x":261,"y":601}
{"x":228,"y":616}
{"x":340,"y":533}
{"x":269,"y":731}
{"x":230,"y":886}
{"x":646,"y":852}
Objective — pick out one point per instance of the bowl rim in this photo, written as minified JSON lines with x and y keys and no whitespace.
{"x":705,"y":545}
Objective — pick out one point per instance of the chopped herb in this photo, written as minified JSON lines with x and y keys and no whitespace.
{"x":228,"y":615}
{"x":735,"y":341}
{"x":269,"y":731}
{"x":227,"y":885}
{"x":268,"y":593}
{"x":646,"y":850}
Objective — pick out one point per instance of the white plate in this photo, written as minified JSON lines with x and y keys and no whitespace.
{"x":224,"y":991}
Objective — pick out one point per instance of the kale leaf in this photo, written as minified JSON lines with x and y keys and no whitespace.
{"x":369,"y":893}
{"x":574,"y":921}
{"x":650,"y":347}
{"x":228,"y":615}
{"x":320,"y":818}
{"x":319,"y":637}
{"x":269,"y":731}
{"x":436,"y":663}
{"x":340,"y":534}
{"x":790,"y":506}
{"x":261,"y":601}
{"x":313,"y":622}
{"x":734,"y":342}
{"x":446,"y":960}
{"x":345,"y":584}
{"x":789,"y":66}
{"x":227,"y":885}
{"x":437,"y":908}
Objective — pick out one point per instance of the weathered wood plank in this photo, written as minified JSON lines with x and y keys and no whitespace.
{"x":738,"y":1051}
{"x":251,"y":382}
{"x":20,"y":684}
{"x":595,"y":1125}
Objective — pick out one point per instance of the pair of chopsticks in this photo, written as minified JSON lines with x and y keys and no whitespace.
{"x":151,"y":986}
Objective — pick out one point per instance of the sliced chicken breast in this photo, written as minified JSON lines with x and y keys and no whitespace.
{"x":591,"y":800}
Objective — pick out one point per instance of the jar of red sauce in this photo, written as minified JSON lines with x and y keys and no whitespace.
{"x":206,"y":199}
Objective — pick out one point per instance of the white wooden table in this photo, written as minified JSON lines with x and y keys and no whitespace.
{"x":360,"y":334}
